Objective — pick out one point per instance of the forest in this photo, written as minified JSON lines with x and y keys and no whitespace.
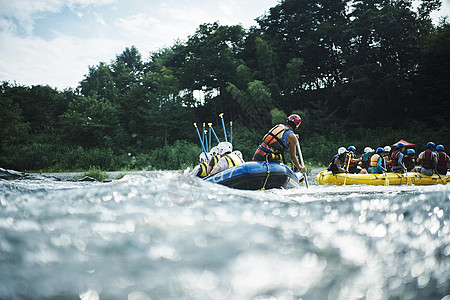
{"x":362,"y":73}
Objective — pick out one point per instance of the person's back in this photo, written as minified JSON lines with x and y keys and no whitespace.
{"x":273,"y":145}
{"x":397,"y":156}
{"x":227,"y":158}
{"x":428,"y":160}
{"x":442,"y":160}
{"x":337,"y":160}
{"x":365,"y":158}
{"x":408,"y":160}
{"x":212,"y":163}
{"x":377,"y":162}
{"x":201,"y":169}
{"x":279,"y":139}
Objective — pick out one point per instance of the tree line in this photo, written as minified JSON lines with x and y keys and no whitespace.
{"x":365,"y":73}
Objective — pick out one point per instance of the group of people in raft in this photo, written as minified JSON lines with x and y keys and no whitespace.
{"x":398,"y":160}
{"x":282,"y":138}
{"x":278,"y":140}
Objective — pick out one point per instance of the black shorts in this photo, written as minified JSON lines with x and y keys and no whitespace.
{"x":354,"y":170}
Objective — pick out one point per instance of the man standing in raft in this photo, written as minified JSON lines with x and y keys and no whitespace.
{"x":277,"y":140}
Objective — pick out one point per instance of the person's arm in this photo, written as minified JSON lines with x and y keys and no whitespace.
{"x":218,"y":167}
{"x":379,"y":165}
{"x":210,"y":165}
{"x":292,"y":141}
{"x":337,"y":162}
{"x":400,"y":161}
{"x":419,"y":157}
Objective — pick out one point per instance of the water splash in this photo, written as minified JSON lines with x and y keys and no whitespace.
{"x":167,"y":236}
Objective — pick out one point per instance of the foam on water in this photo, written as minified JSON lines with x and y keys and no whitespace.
{"x":167,"y":236}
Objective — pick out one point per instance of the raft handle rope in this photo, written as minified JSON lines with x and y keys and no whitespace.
{"x":268,"y":173}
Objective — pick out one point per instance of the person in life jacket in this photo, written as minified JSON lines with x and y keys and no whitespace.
{"x":443,"y":160}
{"x":397,"y":156}
{"x":214,"y":153}
{"x":352,"y":162}
{"x":201,"y":169}
{"x":365,"y":157}
{"x":227,"y":158}
{"x":387,"y":157}
{"x":279,"y":139}
{"x":377,"y":162}
{"x":428,"y":159}
{"x":338,"y":161}
{"x":408,"y":160}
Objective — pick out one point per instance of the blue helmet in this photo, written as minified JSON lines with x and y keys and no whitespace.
{"x":430,"y":145}
{"x":439,"y":148}
{"x":352,"y":148}
{"x":379,"y":150}
{"x":410,"y":151}
{"x":399,"y":145}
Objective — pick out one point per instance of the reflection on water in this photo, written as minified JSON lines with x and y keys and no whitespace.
{"x":167,"y":236}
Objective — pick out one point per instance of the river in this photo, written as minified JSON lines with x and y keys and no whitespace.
{"x":168,"y":236}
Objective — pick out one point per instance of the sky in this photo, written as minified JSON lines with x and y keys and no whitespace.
{"x":53,"y":42}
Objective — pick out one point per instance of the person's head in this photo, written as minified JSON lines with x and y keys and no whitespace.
{"x":238,"y":154}
{"x":387,"y":149}
{"x":401,"y":146}
{"x":224,"y":148}
{"x":342,"y":151}
{"x":351,"y":149}
{"x":203,"y":157}
{"x":410,"y":152}
{"x":293,"y":121}
{"x":368,"y":149}
{"x":381,"y":151}
{"x":431,"y":145}
{"x":439,"y":148}
{"x":214,"y":151}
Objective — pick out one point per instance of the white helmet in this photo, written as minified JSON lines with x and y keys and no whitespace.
{"x":238,"y":154}
{"x":368,"y":149}
{"x":214,"y":151}
{"x":224,"y":147}
{"x":387,"y":148}
{"x":203,"y":157}
{"x":342,"y":150}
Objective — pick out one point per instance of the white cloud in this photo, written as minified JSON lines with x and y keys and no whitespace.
{"x":138,"y":25}
{"x":26,"y":11}
{"x":99,"y":19}
{"x":59,"y":63}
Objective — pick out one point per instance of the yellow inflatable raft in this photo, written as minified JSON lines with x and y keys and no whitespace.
{"x":327,"y":177}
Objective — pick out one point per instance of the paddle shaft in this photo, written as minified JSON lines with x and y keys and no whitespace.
{"x":301,"y":162}
{"x":201,"y":141}
{"x":348,"y":165}
{"x":223,"y":125}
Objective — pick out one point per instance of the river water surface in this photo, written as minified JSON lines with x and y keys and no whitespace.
{"x":167,"y":236}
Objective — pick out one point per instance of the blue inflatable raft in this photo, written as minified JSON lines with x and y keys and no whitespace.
{"x":258,"y":175}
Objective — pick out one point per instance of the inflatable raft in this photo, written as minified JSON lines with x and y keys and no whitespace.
{"x":258,"y":175}
{"x":409,"y":178}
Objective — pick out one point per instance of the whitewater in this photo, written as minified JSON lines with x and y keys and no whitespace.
{"x":164,"y":235}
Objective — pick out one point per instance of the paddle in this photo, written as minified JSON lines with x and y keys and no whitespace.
{"x":223,"y":125}
{"x":215,"y":135}
{"x":302,"y":162}
{"x":439,"y":175}
{"x":231,"y":132}
{"x":386,"y":182}
{"x":348,"y":165}
{"x":201,"y":141}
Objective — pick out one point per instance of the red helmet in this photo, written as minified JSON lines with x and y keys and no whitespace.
{"x":295,"y":119}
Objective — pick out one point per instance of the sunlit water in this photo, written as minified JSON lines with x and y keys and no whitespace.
{"x":167,"y":236}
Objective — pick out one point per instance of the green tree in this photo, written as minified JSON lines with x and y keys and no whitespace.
{"x":14,"y":131}
{"x":99,"y":83}
{"x":90,"y":122}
